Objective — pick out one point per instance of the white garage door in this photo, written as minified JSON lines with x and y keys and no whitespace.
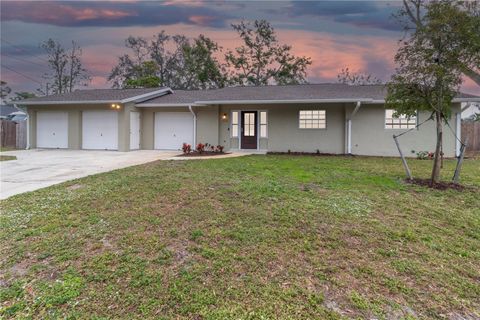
{"x":100,"y":130}
{"x":52,"y":129}
{"x":172,"y":129}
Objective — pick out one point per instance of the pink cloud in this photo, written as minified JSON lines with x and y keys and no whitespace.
{"x":329,"y":53}
{"x":58,"y":13}
{"x":201,"y":20}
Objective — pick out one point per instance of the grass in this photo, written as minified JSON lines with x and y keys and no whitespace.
{"x":4,"y":149}
{"x":7,"y":158}
{"x":258,"y":237}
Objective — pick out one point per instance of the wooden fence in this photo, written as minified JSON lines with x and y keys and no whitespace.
{"x":13,"y":135}
{"x":471,"y":129}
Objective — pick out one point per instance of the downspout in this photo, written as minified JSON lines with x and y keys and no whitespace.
{"x":194,"y":126}
{"x":349,"y":127}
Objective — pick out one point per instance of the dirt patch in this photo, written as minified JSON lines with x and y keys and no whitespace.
{"x":75,"y":186}
{"x":203,"y":154}
{"x":438,"y":186}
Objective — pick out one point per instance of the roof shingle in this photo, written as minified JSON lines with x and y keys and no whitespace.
{"x":325,"y":91}
{"x":100,"y":95}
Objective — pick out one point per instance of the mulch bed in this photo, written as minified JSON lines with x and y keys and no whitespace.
{"x":439,"y":186}
{"x":203,"y":154}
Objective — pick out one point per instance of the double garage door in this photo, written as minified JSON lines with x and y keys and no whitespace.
{"x":99,"y":130}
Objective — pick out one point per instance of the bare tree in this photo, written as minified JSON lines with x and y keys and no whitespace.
{"x":66,"y":68}
{"x":347,"y":77}
{"x":4,"y":90}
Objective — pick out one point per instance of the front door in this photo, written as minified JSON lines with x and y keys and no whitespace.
{"x":249,"y":130}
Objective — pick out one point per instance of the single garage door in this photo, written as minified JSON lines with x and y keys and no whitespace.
{"x":172,"y":129}
{"x":52,"y":129}
{"x":100,"y":130}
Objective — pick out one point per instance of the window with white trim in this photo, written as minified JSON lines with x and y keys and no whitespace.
{"x":263,"y":124}
{"x":234,"y":124}
{"x":312,"y":119}
{"x":399,"y":122}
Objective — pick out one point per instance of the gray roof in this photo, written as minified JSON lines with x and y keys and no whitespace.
{"x":335,"y":92}
{"x":325,"y":92}
{"x":92,"y":95}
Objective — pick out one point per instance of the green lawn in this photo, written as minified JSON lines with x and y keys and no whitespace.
{"x":7,"y":158}
{"x":258,"y":237}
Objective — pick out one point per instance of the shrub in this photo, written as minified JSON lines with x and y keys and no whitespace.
{"x":200,"y":148}
{"x":220,"y":149}
{"x":186,"y":148}
{"x":425,"y":155}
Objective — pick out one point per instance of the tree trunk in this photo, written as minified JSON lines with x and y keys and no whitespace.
{"x":437,"y":161}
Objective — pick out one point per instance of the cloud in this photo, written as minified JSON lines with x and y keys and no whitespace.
{"x":111,"y":13}
{"x":360,"y":14}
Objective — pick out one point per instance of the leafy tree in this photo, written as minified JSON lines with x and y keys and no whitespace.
{"x":172,"y":61}
{"x":66,"y":68}
{"x":346,"y":77}
{"x":145,"y":76}
{"x":202,"y":69}
{"x":464,"y":23}
{"x":428,"y":75}
{"x":23,"y":95}
{"x":262,"y":59}
{"x":4,"y":90}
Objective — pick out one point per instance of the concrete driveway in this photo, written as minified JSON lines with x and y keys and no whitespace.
{"x":36,"y":169}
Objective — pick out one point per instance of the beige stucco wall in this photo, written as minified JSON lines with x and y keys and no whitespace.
{"x":208,"y":123}
{"x":370,"y":137}
{"x":75,"y":123}
{"x":284,"y":133}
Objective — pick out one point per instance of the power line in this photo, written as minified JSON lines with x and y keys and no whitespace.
{"x":21,"y":49}
{"x":23,"y":75}
{"x":24,"y":60}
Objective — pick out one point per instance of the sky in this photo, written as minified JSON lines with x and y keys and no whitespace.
{"x":360,"y":35}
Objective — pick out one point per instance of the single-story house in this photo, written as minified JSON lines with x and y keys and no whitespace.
{"x":325,"y":118}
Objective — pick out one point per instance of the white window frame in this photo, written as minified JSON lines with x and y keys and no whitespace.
{"x":260,"y":124}
{"x":401,"y":118}
{"x":235,"y":124}
{"x":300,"y":119}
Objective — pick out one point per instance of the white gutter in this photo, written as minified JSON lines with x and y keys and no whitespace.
{"x":153,"y":105}
{"x":147,"y":96}
{"x":283,"y":101}
{"x":455,"y":100}
{"x":33,"y":103}
{"x":194,"y":126}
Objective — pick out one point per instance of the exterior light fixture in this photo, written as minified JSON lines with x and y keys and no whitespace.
{"x":224,"y":116}
{"x":115,"y":106}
